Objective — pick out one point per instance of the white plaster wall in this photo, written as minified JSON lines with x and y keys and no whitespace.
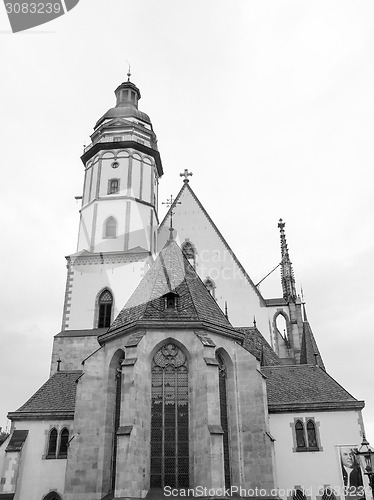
{"x":37,"y":476}
{"x":314,"y":469}
{"x":89,"y":280}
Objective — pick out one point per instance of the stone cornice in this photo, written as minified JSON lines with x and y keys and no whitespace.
{"x":106,"y":258}
{"x":169,"y":325}
{"x":99,"y":146}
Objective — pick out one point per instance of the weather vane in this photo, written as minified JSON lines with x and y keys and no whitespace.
{"x":129,"y":70}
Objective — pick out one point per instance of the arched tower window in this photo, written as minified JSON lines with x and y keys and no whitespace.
{"x":189,"y":251}
{"x":300,"y":435}
{"x":222,"y":373}
{"x":110,"y":228}
{"x":169,"y":419}
{"x":105,"y":309}
{"x":52,"y":443}
{"x":312,"y":435}
{"x":64,"y":440}
{"x":113,"y":186}
{"x":210,"y":286}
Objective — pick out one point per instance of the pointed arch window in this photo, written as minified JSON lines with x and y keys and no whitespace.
{"x":110,"y":228}
{"x":300,"y":435}
{"x":306,"y":435}
{"x":222,"y":374}
{"x":64,"y":441}
{"x":189,"y":251}
{"x":52,"y":443}
{"x":169,"y":419}
{"x":113,"y":186}
{"x":105,"y":309}
{"x":52,"y":495}
{"x":312,"y":435}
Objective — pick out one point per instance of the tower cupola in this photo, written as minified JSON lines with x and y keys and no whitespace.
{"x":127,"y":94}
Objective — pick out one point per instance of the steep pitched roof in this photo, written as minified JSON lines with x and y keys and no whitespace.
{"x":186,"y":187}
{"x":55,"y":398}
{"x":309,"y":348}
{"x":256,"y":344}
{"x":171,"y":272}
{"x":305,"y":387}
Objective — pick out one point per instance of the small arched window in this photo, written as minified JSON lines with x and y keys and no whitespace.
{"x":189,"y":252}
{"x":105,"y":309}
{"x":312,"y":435}
{"x":113,"y":186}
{"x":110,"y":230}
{"x":52,"y":495}
{"x":64,"y":440}
{"x":52,"y":443}
{"x":210,"y":286}
{"x":300,"y":435}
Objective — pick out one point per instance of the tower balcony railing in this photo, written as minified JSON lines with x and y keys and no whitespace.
{"x":122,"y":137}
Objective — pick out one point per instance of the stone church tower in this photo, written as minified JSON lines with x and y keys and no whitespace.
{"x":154,"y":389}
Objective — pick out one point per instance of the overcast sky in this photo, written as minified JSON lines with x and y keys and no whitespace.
{"x":269,"y":103}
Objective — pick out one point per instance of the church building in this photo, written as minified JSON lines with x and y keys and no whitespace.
{"x":171,"y":375}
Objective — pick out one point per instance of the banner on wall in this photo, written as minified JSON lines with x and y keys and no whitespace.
{"x":352,"y":476}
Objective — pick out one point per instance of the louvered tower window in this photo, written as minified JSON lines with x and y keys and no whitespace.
{"x":169,"y":419}
{"x":105,"y":309}
{"x":222,"y":373}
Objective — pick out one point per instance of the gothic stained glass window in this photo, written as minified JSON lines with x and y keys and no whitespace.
{"x":105,"y":309}
{"x":300,"y":435}
{"x":312,"y":436}
{"x":169,"y":419}
{"x":64,"y":440}
{"x":52,"y":443}
{"x":224,"y":418}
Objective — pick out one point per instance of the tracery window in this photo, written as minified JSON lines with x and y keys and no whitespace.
{"x":222,"y":373}
{"x":105,"y":309}
{"x":311,"y":433}
{"x":300,"y":435}
{"x":52,"y":443}
{"x":306,"y":436}
{"x":64,"y":441}
{"x":110,"y":229}
{"x":169,"y":419}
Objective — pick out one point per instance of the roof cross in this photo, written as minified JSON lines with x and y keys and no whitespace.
{"x":170,"y":204}
{"x":186,"y":174}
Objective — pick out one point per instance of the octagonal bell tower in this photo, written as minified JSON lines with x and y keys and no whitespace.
{"x":118,"y":217}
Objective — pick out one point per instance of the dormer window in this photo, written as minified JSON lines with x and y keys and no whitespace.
{"x":170,"y":301}
{"x":113,"y":186}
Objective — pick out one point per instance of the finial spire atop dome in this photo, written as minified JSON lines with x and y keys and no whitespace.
{"x":129,"y":72}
